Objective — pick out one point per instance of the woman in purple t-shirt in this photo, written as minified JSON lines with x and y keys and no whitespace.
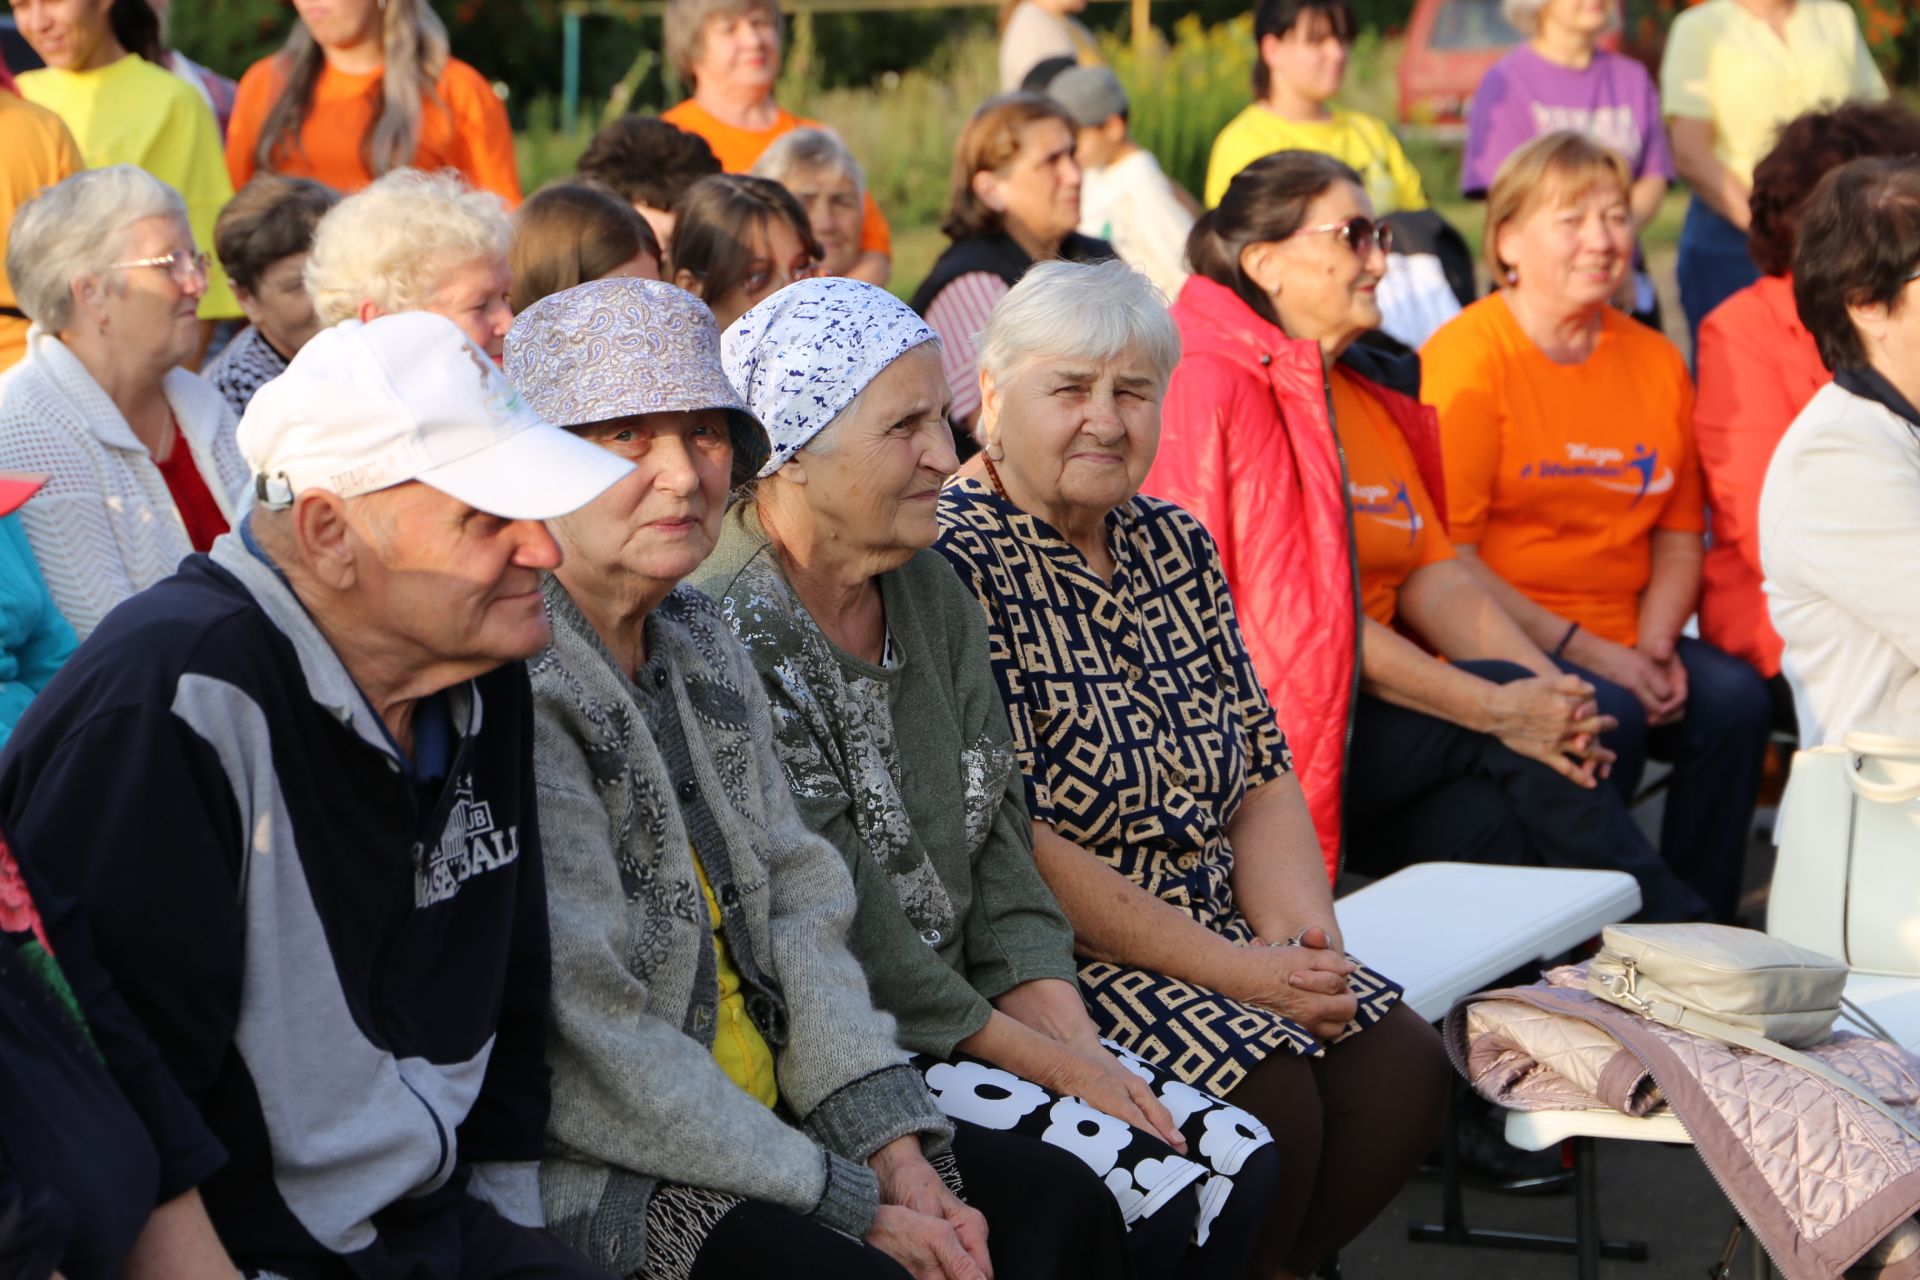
{"x":1562,"y":79}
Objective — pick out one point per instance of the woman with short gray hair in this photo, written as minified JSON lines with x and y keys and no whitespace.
{"x":1561,"y":78}
{"x":891,"y":731}
{"x":828,"y":182}
{"x":415,"y":241}
{"x":1165,"y":816}
{"x":144,"y":469}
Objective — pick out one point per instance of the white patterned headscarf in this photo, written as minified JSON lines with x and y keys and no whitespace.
{"x":801,"y":357}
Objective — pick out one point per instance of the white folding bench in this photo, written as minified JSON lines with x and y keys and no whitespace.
{"x":1444,"y":930}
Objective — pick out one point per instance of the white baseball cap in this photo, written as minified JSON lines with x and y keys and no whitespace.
{"x":365,"y":406}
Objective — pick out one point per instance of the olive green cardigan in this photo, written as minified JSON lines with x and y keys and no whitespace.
{"x":909,"y":771}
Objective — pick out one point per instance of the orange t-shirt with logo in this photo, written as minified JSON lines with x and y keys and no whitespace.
{"x":1561,"y":473}
{"x":463,"y":126}
{"x":1395,"y":527}
{"x":738,"y":150}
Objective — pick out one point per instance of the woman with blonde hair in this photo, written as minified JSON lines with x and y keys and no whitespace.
{"x":570,"y":234}
{"x":364,"y":87}
{"x":415,"y":242}
{"x":1561,"y":78}
{"x":1574,"y":494}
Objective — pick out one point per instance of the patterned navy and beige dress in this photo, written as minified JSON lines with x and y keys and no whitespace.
{"x":1140,"y":726}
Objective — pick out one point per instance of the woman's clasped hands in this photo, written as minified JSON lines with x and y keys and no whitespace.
{"x":921,"y":1224}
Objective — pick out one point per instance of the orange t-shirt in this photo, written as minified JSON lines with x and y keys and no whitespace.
{"x":466,"y":129}
{"x":738,"y":149}
{"x":1561,"y":473}
{"x":38,"y":152}
{"x":1395,"y":527}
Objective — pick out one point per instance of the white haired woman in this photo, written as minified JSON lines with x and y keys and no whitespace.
{"x":726,"y":1100}
{"x":144,"y":469}
{"x":1165,"y":816}
{"x":828,"y":182}
{"x":364,"y":87}
{"x":416,"y":241}
{"x":892,"y":733}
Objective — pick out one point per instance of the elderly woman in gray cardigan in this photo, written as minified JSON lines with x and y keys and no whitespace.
{"x":726,"y":1099}
{"x":892,"y":730}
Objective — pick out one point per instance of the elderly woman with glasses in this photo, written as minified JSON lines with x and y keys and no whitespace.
{"x":1165,"y":814}
{"x":891,"y":728}
{"x":144,"y":469}
{"x":1307,"y":455}
{"x":1574,"y":496}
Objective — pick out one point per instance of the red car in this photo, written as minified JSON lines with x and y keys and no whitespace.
{"x":1450,"y":45}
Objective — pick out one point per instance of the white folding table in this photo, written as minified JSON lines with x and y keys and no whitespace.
{"x":1445,"y":930}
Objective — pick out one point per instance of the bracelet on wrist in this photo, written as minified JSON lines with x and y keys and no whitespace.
{"x":1566,"y":639}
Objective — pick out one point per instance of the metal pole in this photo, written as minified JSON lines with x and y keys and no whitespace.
{"x":569,"y":71}
{"x":1142,"y":26}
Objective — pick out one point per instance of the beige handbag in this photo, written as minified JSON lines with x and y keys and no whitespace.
{"x":1736,"y":986}
{"x":1847,"y":879}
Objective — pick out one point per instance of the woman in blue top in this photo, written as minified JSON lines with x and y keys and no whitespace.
{"x":34,"y":639}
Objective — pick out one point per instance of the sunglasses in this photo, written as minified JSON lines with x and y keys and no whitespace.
{"x":1360,"y":232}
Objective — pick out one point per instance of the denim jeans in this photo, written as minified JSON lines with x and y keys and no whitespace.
{"x":1717,"y":750}
{"x":1714,"y":265}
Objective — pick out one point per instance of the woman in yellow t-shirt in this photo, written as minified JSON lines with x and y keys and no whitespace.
{"x":1300,"y":63}
{"x":1733,"y":72}
{"x":122,"y":109}
{"x":1574,"y":492}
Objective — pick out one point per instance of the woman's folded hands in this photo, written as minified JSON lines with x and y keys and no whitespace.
{"x":921,"y":1224}
{"x":1552,"y":719}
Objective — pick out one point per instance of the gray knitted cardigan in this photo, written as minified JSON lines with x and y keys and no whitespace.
{"x":633,"y":775}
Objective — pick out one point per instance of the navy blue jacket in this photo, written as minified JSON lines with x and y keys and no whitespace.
{"x":342,"y":960}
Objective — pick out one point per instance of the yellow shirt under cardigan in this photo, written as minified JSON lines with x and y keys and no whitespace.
{"x":1393,"y":184}
{"x":132,"y":112}
{"x":1727,"y":67}
{"x":738,"y":1046}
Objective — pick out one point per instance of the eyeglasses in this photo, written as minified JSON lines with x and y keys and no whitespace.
{"x":1360,"y":232}
{"x":185,"y":269}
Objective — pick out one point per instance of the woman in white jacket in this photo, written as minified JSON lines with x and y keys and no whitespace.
{"x":141,"y":455}
{"x":1840,"y":511}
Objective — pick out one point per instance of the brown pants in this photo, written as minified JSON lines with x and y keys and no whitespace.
{"x":1351,"y":1128}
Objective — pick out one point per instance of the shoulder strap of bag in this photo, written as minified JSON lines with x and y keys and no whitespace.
{"x":1674,"y":1015}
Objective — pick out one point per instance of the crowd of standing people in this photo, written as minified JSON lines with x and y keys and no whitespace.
{"x":573,"y":733}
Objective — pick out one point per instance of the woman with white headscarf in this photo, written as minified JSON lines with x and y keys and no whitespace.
{"x":891,"y":728}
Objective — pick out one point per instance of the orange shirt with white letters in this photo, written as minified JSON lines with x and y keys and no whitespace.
{"x":1562,"y":473}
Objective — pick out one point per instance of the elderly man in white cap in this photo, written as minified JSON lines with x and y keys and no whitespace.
{"x":292,"y":784}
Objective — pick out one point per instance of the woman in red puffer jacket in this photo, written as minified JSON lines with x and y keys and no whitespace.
{"x":1317,"y":470}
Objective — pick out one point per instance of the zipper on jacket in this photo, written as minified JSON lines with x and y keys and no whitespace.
{"x":1359,"y":617}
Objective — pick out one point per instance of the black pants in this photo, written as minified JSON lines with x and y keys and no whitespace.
{"x":1422,"y":789}
{"x":1718,"y":751}
{"x":467,"y":1240}
{"x":1351,"y":1127}
{"x":1048,"y":1218}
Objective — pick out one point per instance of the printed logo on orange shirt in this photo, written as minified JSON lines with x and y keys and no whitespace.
{"x":1389,"y":505}
{"x":1608,"y":467}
